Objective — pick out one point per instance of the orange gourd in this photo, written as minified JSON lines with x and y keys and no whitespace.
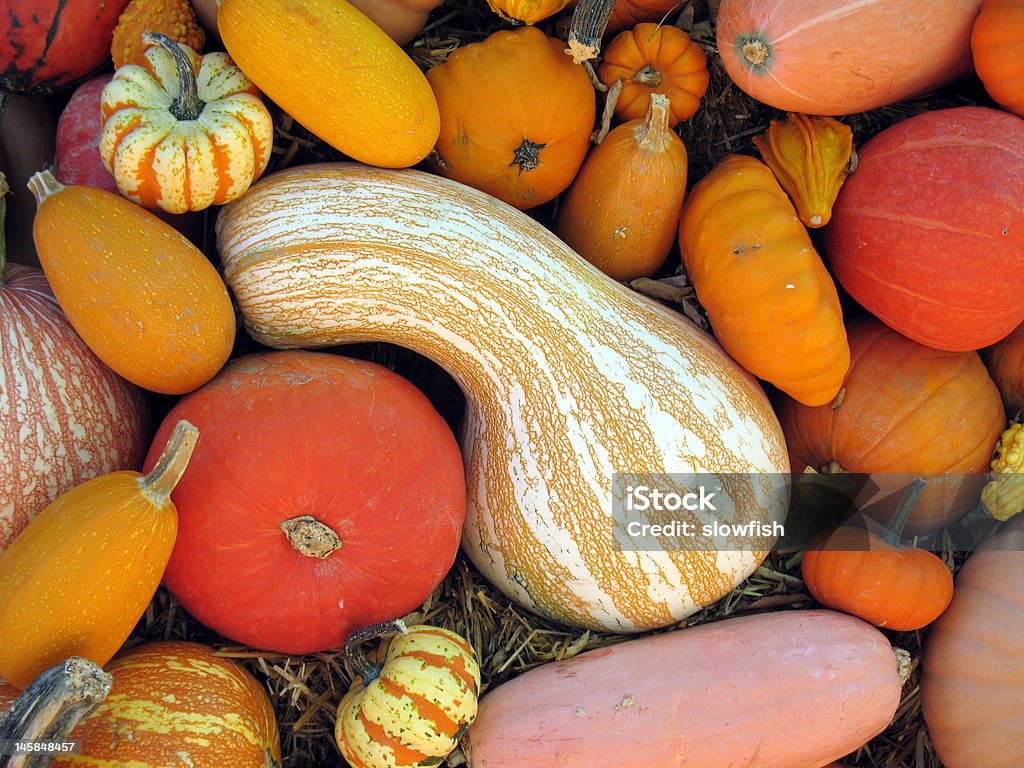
{"x":526,"y":11}
{"x":79,"y":577}
{"x":653,"y":58}
{"x":174,"y":18}
{"x":904,"y":408}
{"x":337,"y":73}
{"x":875,"y":578}
{"x":516,"y":116}
{"x":771,"y":302}
{"x":996,"y":41}
{"x":622,"y":211}
{"x":141,"y":296}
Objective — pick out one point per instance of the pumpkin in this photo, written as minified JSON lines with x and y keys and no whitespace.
{"x":390,"y":115}
{"x":770,"y":300}
{"x":77,"y":159}
{"x":145,"y":300}
{"x":875,"y":578}
{"x":627,"y":14}
{"x":811,"y":157}
{"x":174,"y":18}
{"x":653,"y":58}
{"x":1003,"y":496}
{"x":904,"y":409}
{"x":569,"y":376}
{"x":356,"y":503}
{"x":1005,"y":363}
{"x":401,"y":19}
{"x":183,"y":132}
{"x":526,"y":11}
{"x":80,"y":575}
{"x":52,"y":44}
{"x":996,"y":39}
{"x":834,"y":57}
{"x":906,"y":247}
{"x":972,"y":681}
{"x":67,"y":417}
{"x":726,"y":693}
{"x":532,"y":152}
{"x":413,"y":707}
{"x":622,"y":211}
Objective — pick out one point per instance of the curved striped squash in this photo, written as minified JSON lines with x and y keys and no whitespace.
{"x":569,"y":376}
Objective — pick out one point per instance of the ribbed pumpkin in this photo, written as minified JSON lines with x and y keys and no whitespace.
{"x":413,"y":707}
{"x":174,"y":18}
{"x":771,"y":302}
{"x":516,"y":116}
{"x":569,"y":376}
{"x":178,"y":703}
{"x":80,"y":575}
{"x":834,"y":57}
{"x":972,"y":678}
{"x":145,"y":300}
{"x":183,"y":132}
{"x":996,"y":40}
{"x":622,"y":211}
{"x":906,"y":246}
{"x":51,"y":44}
{"x":1005,"y":363}
{"x":651,"y":58}
{"x":904,"y":408}
{"x":67,"y":417}
{"x":336,"y":72}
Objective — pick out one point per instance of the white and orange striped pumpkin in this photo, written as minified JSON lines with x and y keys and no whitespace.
{"x":185,"y":131}
{"x":569,"y":377}
{"x":414,"y":706}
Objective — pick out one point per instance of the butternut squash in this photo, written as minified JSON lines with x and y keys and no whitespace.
{"x":569,"y":377}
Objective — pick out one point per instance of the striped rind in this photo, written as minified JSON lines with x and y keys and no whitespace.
{"x":569,"y":376}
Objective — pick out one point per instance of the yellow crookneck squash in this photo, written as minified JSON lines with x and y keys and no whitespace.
{"x":183,"y":132}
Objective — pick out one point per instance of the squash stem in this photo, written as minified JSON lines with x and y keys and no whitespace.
{"x":654,"y":130}
{"x":310,"y":537}
{"x":4,"y":189}
{"x":188,"y":105}
{"x":354,"y":652}
{"x":43,"y":185}
{"x":894,"y":531}
{"x":158,"y":484}
{"x":648,"y":76}
{"x":587,"y":27}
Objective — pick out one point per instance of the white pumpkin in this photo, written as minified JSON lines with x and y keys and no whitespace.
{"x":569,"y":376}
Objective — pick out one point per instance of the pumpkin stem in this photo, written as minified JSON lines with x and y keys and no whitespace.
{"x":43,"y":185}
{"x":188,"y":105}
{"x":527,"y":156}
{"x":648,"y":76}
{"x":901,"y":514}
{"x":158,"y":484}
{"x":587,"y":27}
{"x":52,"y":705}
{"x":654,"y":131}
{"x":4,"y":189}
{"x":310,"y":537}
{"x":354,"y":652}
{"x":756,"y":52}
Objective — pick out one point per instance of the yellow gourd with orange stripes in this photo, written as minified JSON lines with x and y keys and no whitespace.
{"x":415,"y":706}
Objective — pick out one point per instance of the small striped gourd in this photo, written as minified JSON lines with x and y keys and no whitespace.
{"x":570,"y":377}
{"x":413,"y":707}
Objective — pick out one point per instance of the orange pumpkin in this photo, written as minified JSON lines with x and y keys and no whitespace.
{"x":997,"y":38}
{"x":771,"y":302}
{"x":904,"y":408}
{"x":516,"y":116}
{"x":174,"y":18}
{"x":653,"y":58}
{"x":1005,"y":362}
{"x":622,"y":211}
{"x":141,"y":296}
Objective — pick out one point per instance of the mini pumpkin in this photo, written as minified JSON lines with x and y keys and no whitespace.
{"x":183,"y":132}
{"x":653,"y":58}
{"x":413,"y":708}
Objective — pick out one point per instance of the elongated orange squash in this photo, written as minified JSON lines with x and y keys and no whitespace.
{"x":736,"y":692}
{"x":141,"y":296}
{"x":78,"y":578}
{"x":336,"y":72}
{"x":569,"y":377}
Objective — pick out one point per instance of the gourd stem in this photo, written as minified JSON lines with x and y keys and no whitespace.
{"x":354,"y":652}
{"x":310,"y":537}
{"x":898,"y":521}
{"x":655,"y":127}
{"x":174,"y":459}
{"x":586,"y":28}
{"x":4,"y":189}
{"x":43,"y":185}
{"x":50,"y":708}
{"x":188,"y":105}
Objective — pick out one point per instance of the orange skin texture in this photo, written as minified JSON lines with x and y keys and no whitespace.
{"x":515,"y":86}
{"x":1005,"y":363}
{"x":996,"y":40}
{"x":928,"y":233}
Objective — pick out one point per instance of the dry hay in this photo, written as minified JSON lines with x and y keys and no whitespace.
{"x":306,"y":690}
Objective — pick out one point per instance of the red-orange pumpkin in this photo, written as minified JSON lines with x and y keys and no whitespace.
{"x":903,"y":408}
{"x":996,"y":42}
{"x":928,"y":233}
{"x":1005,"y":363}
{"x":326,"y":494}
